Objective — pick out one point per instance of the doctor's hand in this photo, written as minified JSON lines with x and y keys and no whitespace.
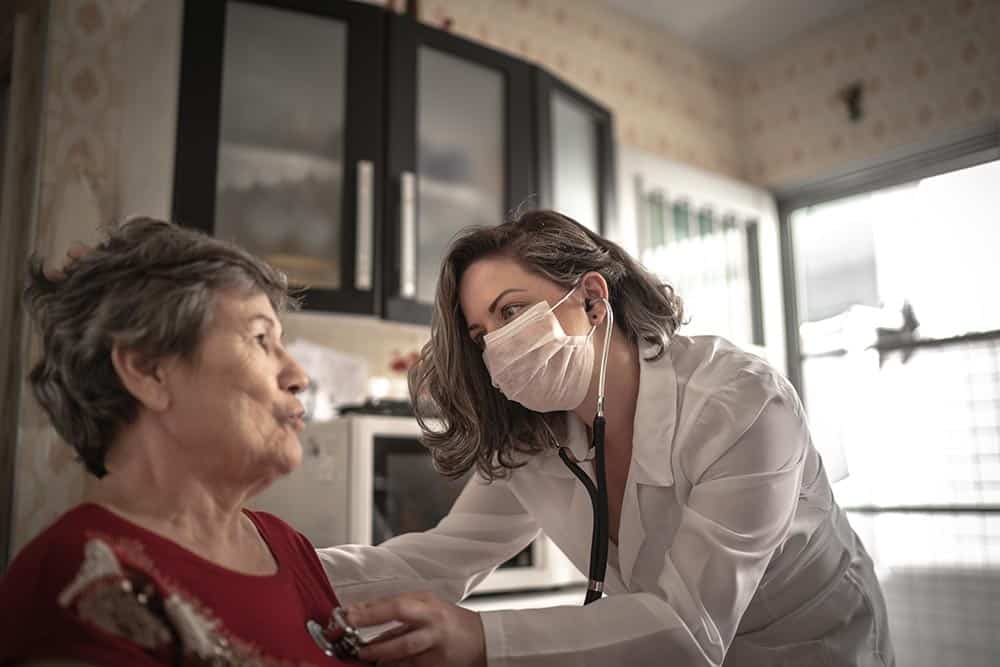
{"x":438,"y":633}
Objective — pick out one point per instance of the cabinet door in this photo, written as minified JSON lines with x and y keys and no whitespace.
{"x":460,"y":153}
{"x":278,"y":139}
{"x":576,"y":154}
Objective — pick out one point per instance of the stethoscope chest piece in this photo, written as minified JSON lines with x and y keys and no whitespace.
{"x":318,"y":635}
{"x":345,"y":647}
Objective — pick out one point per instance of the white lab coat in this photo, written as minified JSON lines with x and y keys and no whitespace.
{"x":731,"y":548}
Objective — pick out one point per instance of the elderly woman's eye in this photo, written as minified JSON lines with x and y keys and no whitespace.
{"x":262,"y":341}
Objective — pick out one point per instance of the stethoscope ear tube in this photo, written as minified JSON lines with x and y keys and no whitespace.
{"x":598,"y":493}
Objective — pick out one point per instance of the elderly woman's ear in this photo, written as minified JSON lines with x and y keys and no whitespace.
{"x":144,"y":378}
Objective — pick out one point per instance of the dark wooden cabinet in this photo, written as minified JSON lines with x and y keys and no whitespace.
{"x":348,"y":145}
{"x":460,"y":152}
{"x":575,"y":153}
{"x":280,"y":139}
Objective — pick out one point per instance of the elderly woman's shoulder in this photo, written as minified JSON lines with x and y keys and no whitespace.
{"x":277,"y":531}
{"x":62,"y":537}
{"x":53,"y":556}
{"x":38,"y":578}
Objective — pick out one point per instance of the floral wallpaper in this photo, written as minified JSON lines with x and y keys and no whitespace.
{"x":20,"y":168}
{"x":928,"y":68}
{"x":83,"y":101}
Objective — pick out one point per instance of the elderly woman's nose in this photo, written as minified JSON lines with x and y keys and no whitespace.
{"x":294,"y":378}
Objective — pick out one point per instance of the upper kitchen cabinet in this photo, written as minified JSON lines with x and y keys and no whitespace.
{"x":460,"y":152}
{"x":348,"y":145}
{"x":575,"y":153}
{"x":279,"y":138}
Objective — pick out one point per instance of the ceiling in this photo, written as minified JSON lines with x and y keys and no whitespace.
{"x":737,"y":29}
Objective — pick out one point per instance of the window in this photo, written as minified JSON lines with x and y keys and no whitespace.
{"x":711,"y":259}
{"x":899,"y":341}
{"x":900,"y":338}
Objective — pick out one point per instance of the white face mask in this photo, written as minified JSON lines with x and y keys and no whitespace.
{"x":532,"y":360}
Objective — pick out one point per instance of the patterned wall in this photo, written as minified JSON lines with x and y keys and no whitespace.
{"x":20,"y":169}
{"x":84,"y":99}
{"x":84,"y":104}
{"x":929,"y":67}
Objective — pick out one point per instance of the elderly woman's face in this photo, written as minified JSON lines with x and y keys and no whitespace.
{"x":236,"y":403}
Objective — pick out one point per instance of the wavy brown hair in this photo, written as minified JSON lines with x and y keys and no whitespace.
{"x":468,"y":423}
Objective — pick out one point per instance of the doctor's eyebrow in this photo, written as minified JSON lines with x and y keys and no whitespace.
{"x":493,"y":306}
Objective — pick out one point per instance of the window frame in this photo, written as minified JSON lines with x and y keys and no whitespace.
{"x":952,"y":153}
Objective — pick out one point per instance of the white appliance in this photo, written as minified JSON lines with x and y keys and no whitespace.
{"x":365,"y":478}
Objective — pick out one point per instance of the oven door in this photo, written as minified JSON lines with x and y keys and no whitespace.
{"x":409,"y":495}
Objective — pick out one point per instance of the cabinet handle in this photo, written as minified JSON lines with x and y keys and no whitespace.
{"x":365,"y":222}
{"x":408,"y":234}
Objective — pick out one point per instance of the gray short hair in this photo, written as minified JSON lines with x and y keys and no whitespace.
{"x":149,"y":285}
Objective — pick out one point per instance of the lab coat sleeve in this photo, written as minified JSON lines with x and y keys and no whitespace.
{"x":739,"y":511}
{"x":486,"y":526}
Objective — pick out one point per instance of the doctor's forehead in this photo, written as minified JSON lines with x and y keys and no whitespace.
{"x":486,"y":278}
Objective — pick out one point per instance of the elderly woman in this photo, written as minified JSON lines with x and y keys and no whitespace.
{"x":163,"y":367}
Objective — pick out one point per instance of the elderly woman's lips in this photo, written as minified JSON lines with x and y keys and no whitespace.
{"x":295,"y":420}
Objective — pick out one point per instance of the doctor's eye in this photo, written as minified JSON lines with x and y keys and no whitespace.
{"x":510,"y":311}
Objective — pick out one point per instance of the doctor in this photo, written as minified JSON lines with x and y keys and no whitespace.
{"x":726,"y":544}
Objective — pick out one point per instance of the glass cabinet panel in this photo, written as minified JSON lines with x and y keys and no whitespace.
{"x":460,"y":157}
{"x":279,"y":184}
{"x":575,"y":153}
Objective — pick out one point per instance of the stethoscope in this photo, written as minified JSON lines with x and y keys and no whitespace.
{"x":598,"y":493}
{"x":339,"y":639}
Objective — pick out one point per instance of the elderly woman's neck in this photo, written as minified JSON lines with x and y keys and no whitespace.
{"x":181,"y":502}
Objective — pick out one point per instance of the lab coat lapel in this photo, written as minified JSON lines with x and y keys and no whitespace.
{"x":631,"y":533}
{"x":652,"y":445}
{"x":655,"y":420}
{"x":580,"y":505}
{"x":579,"y":446}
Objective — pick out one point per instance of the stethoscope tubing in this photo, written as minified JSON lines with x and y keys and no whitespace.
{"x":598,"y":492}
